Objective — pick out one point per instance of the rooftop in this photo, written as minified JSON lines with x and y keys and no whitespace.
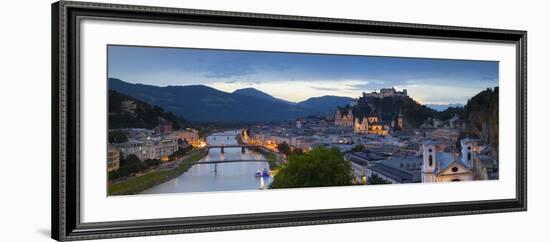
{"x":393,"y":173}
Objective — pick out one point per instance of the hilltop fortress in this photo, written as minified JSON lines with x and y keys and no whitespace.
{"x":386,"y":92}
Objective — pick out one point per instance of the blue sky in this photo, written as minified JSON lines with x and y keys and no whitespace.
{"x":296,"y":77}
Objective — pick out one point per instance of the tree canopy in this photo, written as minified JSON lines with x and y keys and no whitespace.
{"x":320,"y":167}
{"x":284,"y":148}
{"x":117,"y":136}
{"x":482,"y":113}
{"x":375,"y":180}
{"x":358,"y":148}
{"x":145,"y":116}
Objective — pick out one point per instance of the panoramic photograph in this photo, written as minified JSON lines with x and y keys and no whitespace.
{"x":186,"y":120}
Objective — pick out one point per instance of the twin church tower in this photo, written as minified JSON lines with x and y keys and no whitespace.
{"x":439,"y":166}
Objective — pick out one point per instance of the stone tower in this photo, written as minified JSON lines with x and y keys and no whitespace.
{"x":468,"y":147}
{"x":400,"y":120}
{"x":429,"y":161}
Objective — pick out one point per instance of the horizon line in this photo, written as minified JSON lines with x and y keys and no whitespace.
{"x":355,"y":97}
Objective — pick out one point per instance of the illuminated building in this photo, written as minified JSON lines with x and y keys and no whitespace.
{"x":438,"y":166}
{"x":370,"y":125}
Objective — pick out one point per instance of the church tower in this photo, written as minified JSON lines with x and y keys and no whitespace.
{"x":400,"y":120}
{"x":429,"y":162}
{"x":468,"y":147}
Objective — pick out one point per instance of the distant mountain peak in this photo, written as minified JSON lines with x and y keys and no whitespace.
{"x":249,"y":89}
{"x":253,"y":92}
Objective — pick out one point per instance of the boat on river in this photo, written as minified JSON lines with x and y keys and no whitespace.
{"x":262,"y":184}
{"x":262,"y":173}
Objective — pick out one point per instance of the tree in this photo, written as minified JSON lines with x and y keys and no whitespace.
{"x":284,"y":148}
{"x":113,"y":175}
{"x":131,"y":164}
{"x":297,"y":151}
{"x":481,"y":113}
{"x":117,"y":136}
{"x":180,"y":152}
{"x":358,"y":148}
{"x":375,"y":180}
{"x":320,"y":167}
{"x":151,"y":162}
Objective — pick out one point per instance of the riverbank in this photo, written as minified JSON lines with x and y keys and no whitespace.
{"x":270,"y":156}
{"x":138,"y":184}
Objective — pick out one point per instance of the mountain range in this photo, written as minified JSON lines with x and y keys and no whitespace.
{"x":206,"y":104}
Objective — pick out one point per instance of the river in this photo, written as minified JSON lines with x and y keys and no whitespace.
{"x":219,"y":177}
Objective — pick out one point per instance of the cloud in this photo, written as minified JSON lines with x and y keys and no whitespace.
{"x":326,"y":88}
{"x":228,"y":72}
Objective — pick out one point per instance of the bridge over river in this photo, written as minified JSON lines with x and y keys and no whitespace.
{"x":216,"y":162}
{"x":226,"y":161}
{"x":224,"y":168}
{"x":223,"y":146}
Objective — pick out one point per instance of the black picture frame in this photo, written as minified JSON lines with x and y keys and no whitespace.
{"x":66,"y":224}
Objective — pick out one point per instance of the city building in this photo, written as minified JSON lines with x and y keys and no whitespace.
{"x":190,"y":136}
{"x":113,"y":159}
{"x":454,"y":123}
{"x":361,"y":125}
{"x":439,"y":166}
{"x":298,"y":124}
{"x":166,"y":148}
{"x":131,"y":147}
{"x":445,"y":134}
{"x":343,"y":117}
{"x":151,"y":148}
{"x":164,"y":127}
{"x":390,"y":174}
{"x":128,"y":106}
{"x":370,"y":125}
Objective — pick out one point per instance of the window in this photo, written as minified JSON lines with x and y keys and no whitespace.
{"x":455,"y":180}
{"x":469,"y":156}
{"x":430,"y":159}
{"x":454,"y":169}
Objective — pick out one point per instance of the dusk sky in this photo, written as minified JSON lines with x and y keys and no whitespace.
{"x":297,"y":77}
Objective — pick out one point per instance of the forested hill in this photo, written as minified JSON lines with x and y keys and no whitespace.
{"x":389,"y":107}
{"x":481,"y":112}
{"x":144,"y":116}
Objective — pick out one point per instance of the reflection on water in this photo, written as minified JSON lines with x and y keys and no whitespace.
{"x":219,"y":177}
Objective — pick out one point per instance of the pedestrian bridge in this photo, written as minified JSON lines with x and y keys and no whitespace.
{"x":215,"y":163}
{"x":226,"y":161}
{"x":222,"y":147}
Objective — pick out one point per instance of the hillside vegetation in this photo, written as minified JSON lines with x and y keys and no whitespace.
{"x":145,"y":116}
